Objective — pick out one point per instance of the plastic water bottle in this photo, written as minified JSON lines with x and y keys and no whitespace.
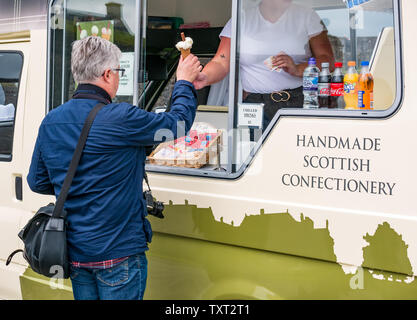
{"x":310,"y":85}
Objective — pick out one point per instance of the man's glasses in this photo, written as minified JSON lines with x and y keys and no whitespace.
{"x":121,"y":72}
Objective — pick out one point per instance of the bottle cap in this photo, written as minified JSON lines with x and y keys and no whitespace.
{"x":365,"y":63}
{"x":352,"y":63}
{"x":312,"y":61}
{"x":325,"y":65}
{"x":338,"y":64}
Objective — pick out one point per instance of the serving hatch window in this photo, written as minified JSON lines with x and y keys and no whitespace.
{"x":204,"y":150}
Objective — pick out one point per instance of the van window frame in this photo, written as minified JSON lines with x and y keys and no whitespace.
{"x":9,"y":157}
{"x":336,"y":114}
{"x":343,"y":114}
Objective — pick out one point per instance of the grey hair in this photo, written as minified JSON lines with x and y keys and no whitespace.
{"x":91,"y":56}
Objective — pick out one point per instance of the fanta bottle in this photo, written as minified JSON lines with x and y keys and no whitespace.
{"x":366,"y":88}
{"x":350,"y":86}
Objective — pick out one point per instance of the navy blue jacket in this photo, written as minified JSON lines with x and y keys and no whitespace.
{"x":106,"y":209}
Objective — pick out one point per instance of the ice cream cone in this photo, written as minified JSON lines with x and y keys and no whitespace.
{"x":184,"y":46}
{"x":185,"y":53}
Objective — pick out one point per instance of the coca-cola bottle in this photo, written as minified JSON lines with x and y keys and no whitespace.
{"x":325,"y":81}
{"x":336,"y":89}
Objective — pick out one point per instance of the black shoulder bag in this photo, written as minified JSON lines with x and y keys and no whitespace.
{"x":44,"y":236}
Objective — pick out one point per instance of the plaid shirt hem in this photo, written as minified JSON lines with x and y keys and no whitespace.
{"x":99,"y":265}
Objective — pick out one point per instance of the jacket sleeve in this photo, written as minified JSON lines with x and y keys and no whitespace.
{"x":146,"y":128}
{"x":38,"y":177}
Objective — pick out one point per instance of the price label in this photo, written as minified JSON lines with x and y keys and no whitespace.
{"x":250,"y":115}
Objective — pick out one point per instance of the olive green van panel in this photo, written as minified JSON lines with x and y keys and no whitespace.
{"x":280,"y":232}
{"x":184,"y":268}
{"x":277,"y":232}
{"x":37,"y":287}
{"x":222,"y":262}
{"x":386,"y":251}
{"x":181,"y":268}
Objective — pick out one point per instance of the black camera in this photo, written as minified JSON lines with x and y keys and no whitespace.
{"x":154,"y":207}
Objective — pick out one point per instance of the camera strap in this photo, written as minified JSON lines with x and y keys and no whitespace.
{"x":145,"y":176}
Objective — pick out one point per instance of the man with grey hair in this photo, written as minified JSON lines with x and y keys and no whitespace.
{"x":92,"y":57}
{"x":107,"y":229}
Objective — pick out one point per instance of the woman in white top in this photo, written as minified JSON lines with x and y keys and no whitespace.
{"x":289,"y":33}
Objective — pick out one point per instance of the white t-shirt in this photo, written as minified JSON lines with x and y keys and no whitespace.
{"x":261,"y":39}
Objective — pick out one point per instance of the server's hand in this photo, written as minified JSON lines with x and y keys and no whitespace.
{"x":201,"y":81}
{"x":286,"y":63}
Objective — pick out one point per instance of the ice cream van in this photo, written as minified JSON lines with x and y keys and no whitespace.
{"x":319,"y":205}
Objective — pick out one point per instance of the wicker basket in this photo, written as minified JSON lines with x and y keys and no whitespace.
{"x":202,"y":158}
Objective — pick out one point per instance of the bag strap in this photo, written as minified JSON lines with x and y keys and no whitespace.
{"x":9,"y":259}
{"x":59,"y":206}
